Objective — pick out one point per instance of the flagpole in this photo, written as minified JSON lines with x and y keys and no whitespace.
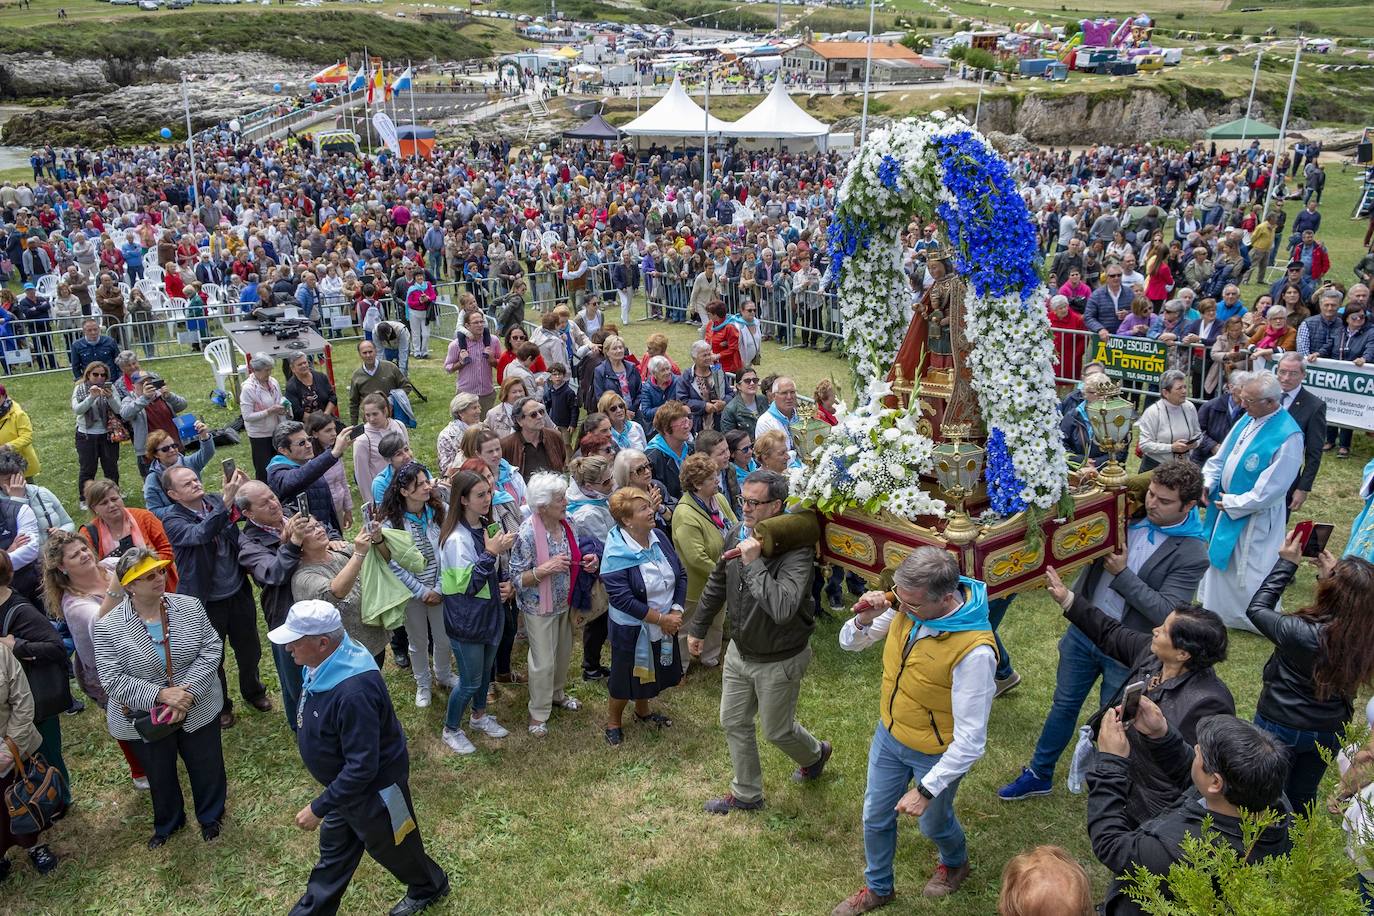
{"x":414,"y":138}
{"x":706,"y":150}
{"x":1283,"y":128}
{"x":1253,"y":82}
{"x":190,"y":145}
{"x":868,"y":70}
{"x":367,"y":97}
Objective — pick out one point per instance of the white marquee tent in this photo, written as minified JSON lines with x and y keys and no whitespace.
{"x":675,"y":115}
{"x":777,"y":117}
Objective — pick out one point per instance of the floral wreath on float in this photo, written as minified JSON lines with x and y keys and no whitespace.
{"x":873,"y":457}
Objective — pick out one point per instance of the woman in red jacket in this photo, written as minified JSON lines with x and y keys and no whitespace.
{"x":1069,"y":347}
{"x":723,"y":334}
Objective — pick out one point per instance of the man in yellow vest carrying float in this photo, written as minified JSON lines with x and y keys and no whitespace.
{"x":939,"y":677}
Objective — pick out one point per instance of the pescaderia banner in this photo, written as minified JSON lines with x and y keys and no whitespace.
{"x":1347,"y":389}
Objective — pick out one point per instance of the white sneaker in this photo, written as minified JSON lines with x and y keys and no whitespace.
{"x":488,"y":726}
{"x":141,"y":783}
{"x":451,"y":683}
{"x":458,"y":742}
{"x":422,"y":696}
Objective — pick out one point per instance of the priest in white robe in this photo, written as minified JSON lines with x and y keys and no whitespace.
{"x":1247,"y":483}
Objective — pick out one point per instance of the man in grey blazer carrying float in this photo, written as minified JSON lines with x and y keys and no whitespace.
{"x":1158,"y":569}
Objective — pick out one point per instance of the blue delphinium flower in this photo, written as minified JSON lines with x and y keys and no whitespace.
{"x":989,"y":226}
{"x":888,"y":172}
{"x":1004,"y":489}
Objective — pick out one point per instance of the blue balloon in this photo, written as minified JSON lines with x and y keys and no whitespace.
{"x":166,"y":133}
{"x":314,"y":85}
{"x":276,"y":87}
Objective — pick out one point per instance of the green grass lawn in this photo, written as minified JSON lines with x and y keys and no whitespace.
{"x":567,"y":825}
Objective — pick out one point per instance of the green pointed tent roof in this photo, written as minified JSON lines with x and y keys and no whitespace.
{"x":1247,"y":127}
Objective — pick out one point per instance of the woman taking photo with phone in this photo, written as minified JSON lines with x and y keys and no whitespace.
{"x":412,"y":504}
{"x":1323,"y":656}
{"x":473,"y":617}
{"x":95,"y":405}
{"x":1175,"y":663}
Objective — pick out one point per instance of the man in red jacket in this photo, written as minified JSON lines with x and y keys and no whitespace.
{"x":1312,"y":253}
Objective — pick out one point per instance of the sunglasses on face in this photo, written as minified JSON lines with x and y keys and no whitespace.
{"x":169,"y":447}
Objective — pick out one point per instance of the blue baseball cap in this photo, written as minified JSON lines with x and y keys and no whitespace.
{"x":29,"y":286}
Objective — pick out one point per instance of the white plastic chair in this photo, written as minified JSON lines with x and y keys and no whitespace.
{"x":152,"y":290}
{"x":214,"y":293}
{"x":47,"y":287}
{"x":173,"y":310}
{"x":219,"y":353}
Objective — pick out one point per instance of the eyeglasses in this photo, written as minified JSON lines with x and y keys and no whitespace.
{"x":642,"y":468}
{"x":538,"y":412}
{"x":615,"y":407}
{"x":745,"y":449}
{"x":1113,"y":276}
{"x":748,"y":381}
{"x":755,"y":503}
{"x":169,"y":447}
{"x":100,"y":375}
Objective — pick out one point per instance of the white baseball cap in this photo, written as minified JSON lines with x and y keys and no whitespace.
{"x":307,"y":618}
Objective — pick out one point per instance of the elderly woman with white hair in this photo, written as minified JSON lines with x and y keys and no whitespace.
{"x":1275,"y":337}
{"x":656,"y":390}
{"x":703,"y":388}
{"x":464,"y":410}
{"x":545,"y":565}
{"x":1169,"y":427}
{"x":632,"y":468}
{"x":263,"y":408}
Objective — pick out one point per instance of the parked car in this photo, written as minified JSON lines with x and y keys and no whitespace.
{"x":149,"y":5}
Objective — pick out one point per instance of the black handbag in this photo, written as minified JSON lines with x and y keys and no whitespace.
{"x":155,"y":724}
{"x":34,"y":800}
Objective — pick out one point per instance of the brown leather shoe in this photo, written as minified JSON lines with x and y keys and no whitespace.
{"x":863,"y":901}
{"x":226,"y":720}
{"x":262,"y":703}
{"x":946,"y":880}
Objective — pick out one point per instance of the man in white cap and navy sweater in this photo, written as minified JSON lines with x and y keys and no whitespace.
{"x":353,"y":745}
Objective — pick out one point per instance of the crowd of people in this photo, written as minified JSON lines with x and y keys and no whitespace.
{"x":587,"y":493}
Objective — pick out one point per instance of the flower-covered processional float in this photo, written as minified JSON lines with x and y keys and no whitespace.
{"x":958,"y":395}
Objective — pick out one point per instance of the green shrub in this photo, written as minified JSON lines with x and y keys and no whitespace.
{"x":1213,"y":878}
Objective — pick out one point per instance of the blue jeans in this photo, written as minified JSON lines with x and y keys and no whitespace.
{"x":892,"y":768}
{"x":474,"y":680}
{"x":997,"y":609}
{"x":289,"y":675}
{"x":1080,"y":665}
{"x":1308,"y":768}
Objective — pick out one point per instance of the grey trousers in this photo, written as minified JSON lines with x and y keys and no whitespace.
{"x":768,"y":690}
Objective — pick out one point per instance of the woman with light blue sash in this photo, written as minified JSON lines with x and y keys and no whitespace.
{"x":645,"y":584}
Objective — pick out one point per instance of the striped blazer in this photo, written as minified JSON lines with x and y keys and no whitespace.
{"x":133,"y":669}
